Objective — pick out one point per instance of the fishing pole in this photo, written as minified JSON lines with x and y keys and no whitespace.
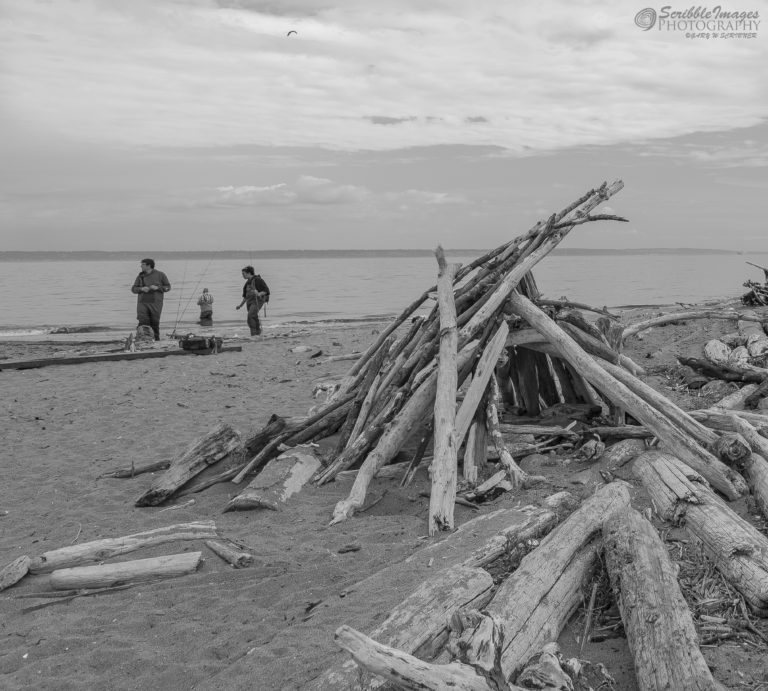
{"x":194,"y":289}
{"x":178,"y":304}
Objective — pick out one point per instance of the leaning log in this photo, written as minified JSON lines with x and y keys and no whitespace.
{"x":206,"y":451}
{"x":444,"y":464}
{"x":534,"y":603}
{"x":108,"y":575}
{"x":755,"y":466}
{"x":106,"y":548}
{"x":737,"y":549}
{"x":656,"y":618}
{"x":397,"y":433}
{"x":415,"y":624}
{"x":517,"y":476}
{"x":280,"y":480}
{"x":727,"y":481}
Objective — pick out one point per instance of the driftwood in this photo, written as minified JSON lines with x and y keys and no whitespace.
{"x":534,"y":603}
{"x":723,"y":478}
{"x":132,"y":471}
{"x":417,"y":623}
{"x":634,"y":329}
{"x":736,"y":399}
{"x":754,"y":336}
{"x":723,"y":419}
{"x":656,"y":619}
{"x":476,"y":448}
{"x":12,"y":573}
{"x":760,"y":392}
{"x":726,"y":372}
{"x":754,"y":466}
{"x":737,"y":549}
{"x":231,"y":553}
{"x":720,"y":355}
{"x":620,"y":432}
{"x":108,"y":575}
{"x":281,"y":479}
{"x":444,"y":464}
{"x":206,"y":451}
{"x":398,"y":431}
{"x":106,"y":548}
{"x":106,"y":357}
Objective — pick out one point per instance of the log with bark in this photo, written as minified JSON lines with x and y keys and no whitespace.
{"x":206,"y":451}
{"x":231,"y":553}
{"x":726,"y":372}
{"x":444,"y":463}
{"x":134,"y":470}
{"x":754,"y":466}
{"x":106,"y":548}
{"x":719,"y":419}
{"x":737,"y":549}
{"x":727,"y":481}
{"x":659,"y":627}
{"x":138,"y":570}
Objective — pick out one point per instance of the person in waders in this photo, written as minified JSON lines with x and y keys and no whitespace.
{"x":205,"y":301}
{"x":150,"y":286}
{"x":255,"y":294}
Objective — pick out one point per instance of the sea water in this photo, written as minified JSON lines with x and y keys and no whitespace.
{"x":311,"y":289}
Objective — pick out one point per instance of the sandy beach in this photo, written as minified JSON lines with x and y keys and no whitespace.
{"x":269,"y":626}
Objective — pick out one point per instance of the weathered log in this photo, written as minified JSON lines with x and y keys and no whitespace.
{"x":599,"y":349}
{"x":751,"y":402}
{"x":256,"y":442}
{"x":106,"y":548}
{"x":688,"y":315}
{"x":751,"y":329}
{"x":444,"y":464}
{"x":723,"y":478}
{"x":620,"y":432}
{"x":12,"y":573}
{"x":414,"y":625}
{"x":658,"y":624}
{"x":132,"y":471}
{"x":534,"y":603}
{"x":721,"y":419}
{"x":280,"y":480}
{"x":418,"y":455}
{"x":754,"y":466}
{"x":231,"y":553}
{"x":725,"y":372}
{"x":719,"y":354}
{"x":737,"y":549}
{"x":406,"y":670}
{"x":553,"y":431}
{"x":578,"y":306}
{"x":206,"y":451}
{"x":736,"y":399}
{"x":396,"y":434}
{"x":621,"y":453}
{"x":108,"y":575}
{"x":476,"y":448}
{"x":479,"y":384}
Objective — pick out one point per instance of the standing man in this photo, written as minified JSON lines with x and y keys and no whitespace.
{"x":255,"y":294}
{"x":150,"y":285}
{"x":205,"y":301}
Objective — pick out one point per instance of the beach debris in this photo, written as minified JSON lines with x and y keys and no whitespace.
{"x":109,"y":575}
{"x":205,"y":451}
{"x":666,"y":652}
{"x":231,"y":552}
{"x":280,"y":480}
{"x":106,"y":548}
{"x":12,"y":573}
{"x":134,"y":470}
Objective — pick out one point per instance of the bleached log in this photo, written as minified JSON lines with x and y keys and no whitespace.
{"x":406,"y":670}
{"x":444,"y":463}
{"x":676,"y":415}
{"x":726,"y":372}
{"x":622,"y":452}
{"x":106,"y":548}
{"x":12,"y":573}
{"x":751,"y":329}
{"x":534,"y":603}
{"x":278,"y":482}
{"x":207,"y":450}
{"x":597,"y":348}
{"x":719,"y":355}
{"x":475,"y":450}
{"x":656,"y":618}
{"x":396,"y":434}
{"x":477,"y":387}
{"x":554,"y":431}
{"x":755,"y":466}
{"x":418,"y":624}
{"x":718,"y":419}
{"x":621,"y":432}
{"x":727,"y":481}
{"x":735,"y":400}
{"x":737,"y":549}
{"x":231,"y":553}
{"x":634,"y":329}
{"x":108,"y":575}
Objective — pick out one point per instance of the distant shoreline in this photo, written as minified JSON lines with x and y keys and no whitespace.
{"x":123,"y":255}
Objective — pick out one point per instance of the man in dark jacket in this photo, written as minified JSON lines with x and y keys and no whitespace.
{"x":150,"y":285}
{"x":255,"y":294}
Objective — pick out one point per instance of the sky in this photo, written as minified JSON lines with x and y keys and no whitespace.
{"x":154,"y":125}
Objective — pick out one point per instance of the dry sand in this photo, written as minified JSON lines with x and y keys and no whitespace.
{"x":265,"y":627}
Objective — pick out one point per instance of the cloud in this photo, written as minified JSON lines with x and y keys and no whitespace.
{"x":203,"y":73}
{"x":305,"y":190}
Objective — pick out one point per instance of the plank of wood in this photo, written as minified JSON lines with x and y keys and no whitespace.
{"x":105,"y":357}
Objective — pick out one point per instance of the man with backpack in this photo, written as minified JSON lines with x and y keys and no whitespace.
{"x":255,"y":294}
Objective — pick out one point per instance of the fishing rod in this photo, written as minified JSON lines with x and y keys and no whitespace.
{"x":178,"y":304}
{"x":194,"y":290}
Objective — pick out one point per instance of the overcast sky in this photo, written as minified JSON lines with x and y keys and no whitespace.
{"x":201,"y":124}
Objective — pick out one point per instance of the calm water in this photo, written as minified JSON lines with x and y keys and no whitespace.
{"x":41,"y":295}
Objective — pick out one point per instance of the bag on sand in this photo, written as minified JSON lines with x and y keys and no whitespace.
{"x":202,"y":345}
